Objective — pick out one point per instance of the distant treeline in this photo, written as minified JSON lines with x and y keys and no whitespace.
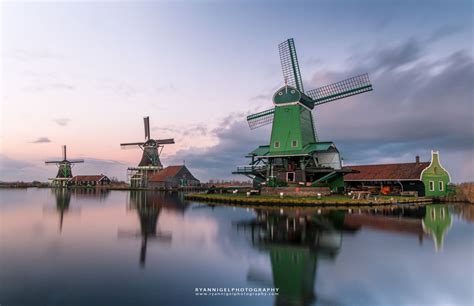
{"x":23,"y":184}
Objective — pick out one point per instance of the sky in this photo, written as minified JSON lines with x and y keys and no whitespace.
{"x":86,"y":73}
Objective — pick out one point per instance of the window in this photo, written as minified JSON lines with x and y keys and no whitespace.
{"x":433,"y":214}
{"x":290,"y":176}
{"x":277,"y":144}
{"x":441,"y":186}
{"x":294,"y":143}
{"x":431,"y":185}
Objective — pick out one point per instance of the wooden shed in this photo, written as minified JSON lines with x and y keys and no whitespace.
{"x":425,"y":178}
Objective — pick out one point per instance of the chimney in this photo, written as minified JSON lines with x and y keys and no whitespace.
{"x":417,"y":160}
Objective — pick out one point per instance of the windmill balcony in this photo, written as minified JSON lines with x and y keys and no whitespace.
{"x":250,"y":169}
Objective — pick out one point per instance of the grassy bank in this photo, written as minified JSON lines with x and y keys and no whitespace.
{"x":338,"y":200}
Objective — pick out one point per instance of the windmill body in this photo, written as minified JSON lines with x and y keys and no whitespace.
{"x":150,"y":162}
{"x":65,"y":166}
{"x":295,"y":155}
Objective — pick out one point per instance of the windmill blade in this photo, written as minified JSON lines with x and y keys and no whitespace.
{"x":129,"y":144}
{"x":342,"y":89}
{"x":165,"y":141}
{"x":53,"y":161}
{"x":289,"y":64}
{"x":146,"y":121}
{"x":260,"y":119}
{"x":64,"y":152}
{"x":76,"y":161}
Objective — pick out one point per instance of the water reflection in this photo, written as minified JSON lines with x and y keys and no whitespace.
{"x":148,"y":205}
{"x":63,"y":200}
{"x":437,"y":222}
{"x":296,"y":240}
{"x":294,"y":243}
{"x":314,"y":256}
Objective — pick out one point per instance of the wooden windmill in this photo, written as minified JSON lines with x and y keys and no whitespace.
{"x":150,"y":162}
{"x":295,"y":155}
{"x":64,"y":169}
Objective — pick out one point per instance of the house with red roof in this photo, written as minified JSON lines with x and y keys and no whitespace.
{"x":426,"y":178}
{"x":89,"y":180}
{"x":172,"y":177}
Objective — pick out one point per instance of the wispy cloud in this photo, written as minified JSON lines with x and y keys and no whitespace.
{"x":39,"y":86}
{"x":62,"y":121}
{"x":41,"y":140}
{"x":29,"y":55}
{"x":442,"y":32}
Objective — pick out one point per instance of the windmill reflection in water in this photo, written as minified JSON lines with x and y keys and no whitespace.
{"x":148,"y":205}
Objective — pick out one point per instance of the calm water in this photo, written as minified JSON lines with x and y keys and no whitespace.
{"x":122,"y":248}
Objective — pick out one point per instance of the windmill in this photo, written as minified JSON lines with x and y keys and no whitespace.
{"x":64,"y":169}
{"x":150,"y":161}
{"x":295,"y":154}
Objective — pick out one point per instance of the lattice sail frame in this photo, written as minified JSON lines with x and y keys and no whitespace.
{"x":342,"y":89}
{"x":260,"y":119}
{"x":289,"y":64}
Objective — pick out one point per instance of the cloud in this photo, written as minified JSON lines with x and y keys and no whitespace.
{"x":41,"y":140}
{"x":235,"y":141}
{"x":43,"y":86}
{"x":62,"y":121}
{"x":29,"y":55}
{"x":189,"y":130}
{"x":262,"y":97}
{"x":442,"y":32}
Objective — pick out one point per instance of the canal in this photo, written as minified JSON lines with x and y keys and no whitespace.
{"x":62,"y":247}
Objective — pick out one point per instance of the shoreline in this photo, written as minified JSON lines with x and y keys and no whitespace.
{"x":303,"y":201}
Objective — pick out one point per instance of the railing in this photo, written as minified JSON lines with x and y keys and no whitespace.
{"x":250,"y":169}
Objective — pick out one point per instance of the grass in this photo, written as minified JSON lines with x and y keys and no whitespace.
{"x":241,"y":198}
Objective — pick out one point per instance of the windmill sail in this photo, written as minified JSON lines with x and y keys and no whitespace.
{"x":127,"y":144}
{"x":342,"y":89}
{"x":146,"y":121}
{"x":165,"y":141}
{"x":260,"y":119}
{"x":289,"y":64}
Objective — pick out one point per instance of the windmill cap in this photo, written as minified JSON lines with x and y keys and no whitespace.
{"x":291,"y":95}
{"x":286,"y":94}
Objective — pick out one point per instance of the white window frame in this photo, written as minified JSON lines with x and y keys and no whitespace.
{"x":441,"y":185}
{"x":294,"y":143}
{"x":432,"y":185}
{"x":276,"y":144}
{"x":294,"y":177}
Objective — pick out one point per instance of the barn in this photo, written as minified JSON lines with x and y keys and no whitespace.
{"x":424,"y":178}
{"x":89,"y":180}
{"x":173,"y":177}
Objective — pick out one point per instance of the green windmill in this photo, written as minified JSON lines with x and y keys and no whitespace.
{"x":64,"y":169}
{"x":295,"y":155}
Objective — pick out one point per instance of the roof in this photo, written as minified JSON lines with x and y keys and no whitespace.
{"x":168,"y":172}
{"x":387,"y":172}
{"x":88,"y":178}
{"x":307,"y":150}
